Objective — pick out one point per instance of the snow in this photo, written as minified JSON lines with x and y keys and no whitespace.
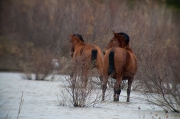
{"x":41,"y":102}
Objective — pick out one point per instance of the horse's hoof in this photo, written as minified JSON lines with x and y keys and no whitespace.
{"x":116,"y":99}
{"x":102,"y":99}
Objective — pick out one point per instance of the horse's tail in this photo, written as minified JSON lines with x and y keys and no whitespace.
{"x":111,"y":63}
{"x":94,"y":55}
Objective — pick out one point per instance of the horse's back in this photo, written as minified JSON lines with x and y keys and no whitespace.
{"x":77,"y":53}
{"x":90,"y":47}
{"x":83,"y":51}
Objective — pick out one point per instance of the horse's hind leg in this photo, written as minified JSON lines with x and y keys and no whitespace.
{"x":99,"y":66}
{"x":84,"y":76}
{"x":129,"y":88}
{"x":100,"y":71}
{"x":117,"y":89}
{"x":73,"y":72}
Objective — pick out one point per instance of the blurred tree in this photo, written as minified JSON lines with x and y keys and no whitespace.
{"x":173,"y":3}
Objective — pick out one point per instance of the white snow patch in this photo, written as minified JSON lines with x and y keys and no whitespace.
{"x":40,"y":102}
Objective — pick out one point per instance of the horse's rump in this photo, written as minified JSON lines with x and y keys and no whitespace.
{"x":125,"y":62}
{"x":121,"y":60}
{"x":88,"y":55}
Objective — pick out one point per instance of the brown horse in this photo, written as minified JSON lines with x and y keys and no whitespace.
{"x":119,"y":62}
{"x":85,"y":56}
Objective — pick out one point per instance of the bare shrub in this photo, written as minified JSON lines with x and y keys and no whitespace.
{"x":42,"y":65}
{"x":76,"y":92}
{"x":162,"y":84}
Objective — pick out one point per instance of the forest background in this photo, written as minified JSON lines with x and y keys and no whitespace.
{"x":33,"y":33}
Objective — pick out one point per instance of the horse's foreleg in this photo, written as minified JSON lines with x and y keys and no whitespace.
{"x":73,"y":72}
{"x":129,"y":88}
{"x":117,"y":89}
{"x":104,"y":87}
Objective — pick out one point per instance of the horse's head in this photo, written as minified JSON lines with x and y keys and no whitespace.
{"x":75,"y":40}
{"x":119,"y":40}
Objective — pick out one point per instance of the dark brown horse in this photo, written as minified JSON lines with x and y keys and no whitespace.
{"x":85,"y":56}
{"x":120,"y":63}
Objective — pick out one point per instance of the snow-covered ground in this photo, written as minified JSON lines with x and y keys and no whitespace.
{"x":40,"y":102}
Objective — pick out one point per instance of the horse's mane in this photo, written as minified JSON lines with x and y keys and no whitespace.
{"x":125,"y":36}
{"x":79,"y":36}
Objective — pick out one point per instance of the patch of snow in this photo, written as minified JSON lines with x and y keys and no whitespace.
{"x":40,"y":102}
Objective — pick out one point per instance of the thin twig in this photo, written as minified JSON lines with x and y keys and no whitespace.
{"x":20,"y":106}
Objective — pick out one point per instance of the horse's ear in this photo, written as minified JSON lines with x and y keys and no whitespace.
{"x":115,"y":34}
{"x":71,"y":35}
{"x":113,"y":31}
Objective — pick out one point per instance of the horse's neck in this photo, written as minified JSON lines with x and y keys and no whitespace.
{"x":129,"y":49}
{"x":77,"y":45}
